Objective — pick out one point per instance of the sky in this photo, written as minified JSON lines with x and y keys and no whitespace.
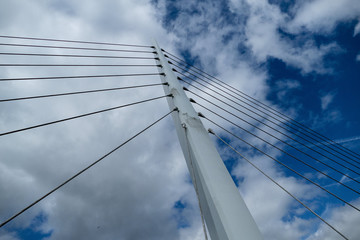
{"x":300,"y":57}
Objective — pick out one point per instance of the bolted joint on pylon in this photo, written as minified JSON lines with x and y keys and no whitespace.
{"x":211,"y":131}
{"x":201,"y":115}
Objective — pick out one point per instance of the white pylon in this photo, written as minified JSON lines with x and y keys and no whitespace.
{"x":224,"y":210}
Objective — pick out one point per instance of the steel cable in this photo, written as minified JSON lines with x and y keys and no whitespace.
{"x":70,"y":55}
{"x":283,"y":151}
{"x":73,"y":48}
{"x":263,"y":116}
{"x":334,"y":169}
{"x":266,"y":124}
{"x":79,"y":65}
{"x":268,"y":108}
{"x":284,"y":165}
{"x":73,"y":41}
{"x":82,"y":171}
{"x":280,"y":186}
{"x":80,"y":76}
{"x":82,"y":115}
{"x":81,"y":92}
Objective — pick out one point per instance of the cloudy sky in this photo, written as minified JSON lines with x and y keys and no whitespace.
{"x":300,"y":57}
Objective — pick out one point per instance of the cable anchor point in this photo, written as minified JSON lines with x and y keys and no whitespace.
{"x":211,"y":131}
{"x":201,"y":115}
{"x":193,"y":101}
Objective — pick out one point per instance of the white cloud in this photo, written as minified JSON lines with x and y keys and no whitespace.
{"x":326,"y":100}
{"x":273,"y":216}
{"x":357,"y":29}
{"x":264,"y":39}
{"x":284,"y":87}
{"x":322,"y":16}
{"x":343,"y":219}
{"x":257,"y":26}
{"x":131,"y":194}
{"x":330,"y":116}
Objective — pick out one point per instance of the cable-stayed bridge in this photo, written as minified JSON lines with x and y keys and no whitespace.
{"x":244,"y":126}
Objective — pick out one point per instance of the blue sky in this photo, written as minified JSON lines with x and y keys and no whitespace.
{"x":301,"y":57}
{"x":317,"y":88}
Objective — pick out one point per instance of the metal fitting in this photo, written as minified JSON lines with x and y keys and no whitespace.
{"x":211,"y":131}
{"x":201,"y":115}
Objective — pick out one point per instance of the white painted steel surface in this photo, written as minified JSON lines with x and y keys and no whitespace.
{"x":224,"y":210}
